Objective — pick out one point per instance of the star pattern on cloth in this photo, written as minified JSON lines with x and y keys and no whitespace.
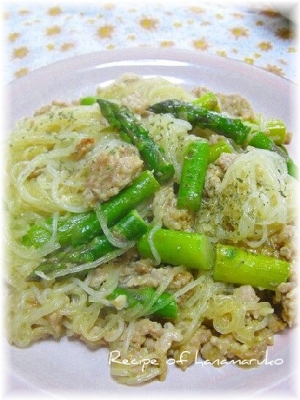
{"x":36,"y":36}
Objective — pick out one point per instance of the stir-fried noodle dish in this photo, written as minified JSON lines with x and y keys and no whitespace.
{"x":156,"y":222}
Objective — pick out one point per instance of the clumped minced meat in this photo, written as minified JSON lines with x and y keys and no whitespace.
{"x":111,"y":171}
{"x":287,"y":294}
{"x":215,"y":173}
{"x":173,"y":217}
{"x":233,"y":104}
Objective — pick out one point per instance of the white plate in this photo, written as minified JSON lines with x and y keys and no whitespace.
{"x":67,"y":366}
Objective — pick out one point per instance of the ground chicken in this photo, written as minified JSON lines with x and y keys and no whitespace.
{"x":164,"y":342}
{"x":145,"y":328}
{"x":289,"y":303}
{"x":188,"y":352}
{"x":149,"y":342}
{"x":225,"y":160}
{"x":215,"y":173}
{"x":246,"y":293}
{"x":172,"y":217}
{"x":152,"y":279}
{"x":275,"y":323}
{"x":283,"y":242}
{"x":130,"y":276}
{"x":225,"y":347}
{"x":236,"y":106}
{"x":233,"y":104}
{"x":181,"y":279}
{"x":176,"y":218}
{"x":111,"y":172}
{"x":286,"y":294}
{"x":214,"y":176}
{"x":136,"y":103}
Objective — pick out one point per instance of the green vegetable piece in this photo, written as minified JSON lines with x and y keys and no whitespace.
{"x":87,"y":101}
{"x":276,"y":130}
{"x":262,"y":141}
{"x":128,"y":228}
{"x":191,"y":250}
{"x":209,"y":101}
{"x":293,"y":169}
{"x":216,"y":149}
{"x":81,"y":228}
{"x":232,"y":128}
{"x":124,"y":120}
{"x":193,"y":175}
{"x":164,"y":307}
{"x":236,"y":265}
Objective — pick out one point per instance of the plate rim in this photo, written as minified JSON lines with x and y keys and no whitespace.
{"x":145,"y":53}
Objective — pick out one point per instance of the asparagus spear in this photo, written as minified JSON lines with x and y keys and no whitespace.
{"x":192,"y":250}
{"x":209,"y":101}
{"x":128,"y":228}
{"x":216,"y":149}
{"x":81,"y":228}
{"x":293,"y":169}
{"x":261,"y":141}
{"x":198,"y":116}
{"x":87,"y":101}
{"x":193,"y":175}
{"x":276,"y":130}
{"x":236,"y":265}
{"x":232,"y":128}
{"x":164,"y":307}
{"x":123,"y":119}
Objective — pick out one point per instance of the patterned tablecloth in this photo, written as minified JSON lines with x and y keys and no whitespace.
{"x":37,"y":34}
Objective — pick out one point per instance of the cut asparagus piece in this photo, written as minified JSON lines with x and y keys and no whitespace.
{"x":209,"y":101}
{"x":81,"y":228}
{"x":262,"y":141}
{"x":293,"y":169}
{"x":236,"y":265}
{"x":276,"y":130}
{"x":192,"y":250}
{"x":164,"y":307}
{"x":198,"y":116}
{"x":124,"y":120}
{"x":87,"y":101}
{"x":193,"y":175}
{"x":128,"y":228}
{"x":216,"y":149}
